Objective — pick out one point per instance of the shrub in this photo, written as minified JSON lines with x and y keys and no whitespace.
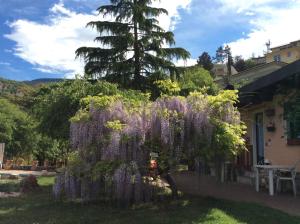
{"x":29,"y":184}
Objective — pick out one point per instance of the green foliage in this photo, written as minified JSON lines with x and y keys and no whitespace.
{"x":82,"y":115}
{"x":105,"y":168}
{"x":75,"y":163}
{"x":16,"y":130}
{"x":239,"y":64}
{"x":99,"y":102}
{"x":196,"y":79}
{"x":205,"y":61}
{"x":132,"y":99}
{"x":55,"y":104}
{"x":292,"y":116}
{"x":249,"y":63}
{"x":228,"y":137}
{"x":115,"y":125}
{"x":48,"y":149}
{"x":224,"y":97}
{"x":16,"y":92}
{"x":134,"y":31}
{"x":168,"y":87}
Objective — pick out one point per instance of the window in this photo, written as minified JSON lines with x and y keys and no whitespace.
{"x":292,"y":116}
{"x":277,"y":58}
{"x":289,"y":54}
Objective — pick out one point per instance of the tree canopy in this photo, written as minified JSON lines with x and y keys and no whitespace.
{"x":196,"y":79}
{"x":205,"y":61}
{"x":16,"y":130}
{"x":56,"y":103}
{"x":132,"y":45}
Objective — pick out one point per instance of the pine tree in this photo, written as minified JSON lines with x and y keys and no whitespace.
{"x":132,"y":46}
{"x":225,"y":55}
{"x":205,"y":61}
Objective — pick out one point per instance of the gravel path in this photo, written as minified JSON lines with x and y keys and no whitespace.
{"x":9,"y":195}
{"x":25,"y":172}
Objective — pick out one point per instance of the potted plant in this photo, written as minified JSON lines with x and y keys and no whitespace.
{"x":271,"y":127}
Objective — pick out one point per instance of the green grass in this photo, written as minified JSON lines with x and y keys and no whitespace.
{"x":40,"y":208}
{"x":9,"y":186}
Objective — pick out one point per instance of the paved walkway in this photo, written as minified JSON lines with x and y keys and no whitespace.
{"x":192,"y":183}
{"x":26,"y":173}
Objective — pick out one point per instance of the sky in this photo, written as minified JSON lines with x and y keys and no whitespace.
{"x":38,"y":38}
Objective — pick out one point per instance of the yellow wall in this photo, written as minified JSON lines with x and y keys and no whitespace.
{"x":276,"y":149}
{"x":294,"y":51}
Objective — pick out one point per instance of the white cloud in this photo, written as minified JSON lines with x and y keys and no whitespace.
{"x":170,"y":21}
{"x":244,"y":5}
{"x":270,"y":20}
{"x":185,"y":63}
{"x":51,"y":47}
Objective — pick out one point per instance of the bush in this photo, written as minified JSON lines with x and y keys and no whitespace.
{"x":29,"y":184}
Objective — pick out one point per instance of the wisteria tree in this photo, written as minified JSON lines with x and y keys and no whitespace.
{"x":112,"y":138}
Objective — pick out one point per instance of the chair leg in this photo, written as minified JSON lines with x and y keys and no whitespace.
{"x":294,"y":187}
{"x":278,"y":186}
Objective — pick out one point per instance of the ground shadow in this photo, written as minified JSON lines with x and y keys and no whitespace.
{"x":39,"y":207}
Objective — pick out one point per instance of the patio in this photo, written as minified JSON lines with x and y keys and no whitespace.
{"x":192,"y":183}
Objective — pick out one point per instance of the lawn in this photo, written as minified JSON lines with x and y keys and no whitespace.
{"x":40,"y":208}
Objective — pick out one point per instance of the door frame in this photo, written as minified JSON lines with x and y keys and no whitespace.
{"x":254,"y":138}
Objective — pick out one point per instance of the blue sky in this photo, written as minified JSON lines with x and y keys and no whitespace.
{"x":38,"y":37}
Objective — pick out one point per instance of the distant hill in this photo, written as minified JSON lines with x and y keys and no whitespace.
{"x":11,"y":89}
{"x":17,"y":92}
{"x":42,"y":81}
{"x":14,"y":88}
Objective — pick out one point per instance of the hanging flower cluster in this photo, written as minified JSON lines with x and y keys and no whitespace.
{"x":112,"y":137}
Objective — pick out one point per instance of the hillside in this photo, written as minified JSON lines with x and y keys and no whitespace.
{"x":19,"y":89}
{"x":13,"y":88}
{"x":36,"y":82}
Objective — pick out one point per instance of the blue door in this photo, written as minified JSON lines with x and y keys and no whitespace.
{"x":259,"y":132}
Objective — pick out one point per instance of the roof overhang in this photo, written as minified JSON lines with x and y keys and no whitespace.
{"x":264,"y":88}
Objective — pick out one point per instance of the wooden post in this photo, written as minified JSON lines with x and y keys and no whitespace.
{"x":2,"y":146}
{"x":271,"y":183}
{"x":257,"y":179}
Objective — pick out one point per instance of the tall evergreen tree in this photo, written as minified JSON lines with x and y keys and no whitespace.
{"x":133,"y":45}
{"x":205,"y":61}
{"x":225,"y":55}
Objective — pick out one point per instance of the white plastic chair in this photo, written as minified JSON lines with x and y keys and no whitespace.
{"x":287,"y":175}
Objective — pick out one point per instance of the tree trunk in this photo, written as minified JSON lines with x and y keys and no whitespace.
{"x":219,"y":164}
{"x":172,"y":184}
{"x":137,"y":64}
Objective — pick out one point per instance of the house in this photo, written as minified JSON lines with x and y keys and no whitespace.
{"x":252,"y":74}
{"x":274,"y":59}
{"x":286,"y":53}
{"x":220,"y":70}
{"x":270,"y":108}
{"x":259,"y":60}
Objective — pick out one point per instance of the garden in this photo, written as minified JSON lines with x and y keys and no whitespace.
{"x":40,"y":207}
{"x":115,"y":136}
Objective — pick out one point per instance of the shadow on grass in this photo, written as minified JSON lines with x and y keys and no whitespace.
{"x":9,"y":185}
{"x":39,"y":207}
